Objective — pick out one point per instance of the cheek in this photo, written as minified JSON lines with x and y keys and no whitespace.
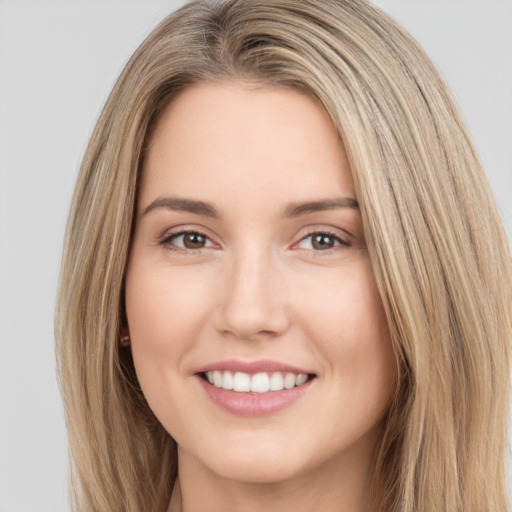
{"x":163,"y":312}
{"x":347,"y":320}
{"x":162,"y":308}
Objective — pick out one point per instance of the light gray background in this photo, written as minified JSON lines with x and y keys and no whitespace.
{"x":58,"y":60}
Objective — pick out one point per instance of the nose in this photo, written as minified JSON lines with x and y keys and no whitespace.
{"x":253,"y":298}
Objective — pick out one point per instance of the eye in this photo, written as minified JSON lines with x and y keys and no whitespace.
{"x":321,"y":241}
{"x":184,"y":240}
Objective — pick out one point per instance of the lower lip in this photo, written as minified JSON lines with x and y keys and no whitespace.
{"x":253,"y":404}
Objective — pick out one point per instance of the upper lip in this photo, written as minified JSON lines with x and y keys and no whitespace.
{"x":251,"y":367}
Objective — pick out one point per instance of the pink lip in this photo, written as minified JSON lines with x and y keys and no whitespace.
{"x":251,"y":367}
{"x":253,"y":404}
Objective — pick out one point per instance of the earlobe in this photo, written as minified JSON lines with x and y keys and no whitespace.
{"x":124,"y":338}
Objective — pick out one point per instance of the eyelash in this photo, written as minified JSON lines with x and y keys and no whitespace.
{"x":167,"y":241}
{"x":341,"y":243}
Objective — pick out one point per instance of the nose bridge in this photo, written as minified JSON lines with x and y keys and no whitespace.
{"x":252,"y":298}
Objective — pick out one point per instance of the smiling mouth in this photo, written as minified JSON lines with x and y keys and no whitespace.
{"x":263,"y":382}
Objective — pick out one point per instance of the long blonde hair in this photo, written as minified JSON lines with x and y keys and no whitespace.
{"x":438,"y":250}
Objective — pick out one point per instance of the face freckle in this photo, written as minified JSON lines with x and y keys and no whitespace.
{"x":249,"y":257}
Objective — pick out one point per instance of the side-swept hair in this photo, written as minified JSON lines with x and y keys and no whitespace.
{"x":438,"y":250}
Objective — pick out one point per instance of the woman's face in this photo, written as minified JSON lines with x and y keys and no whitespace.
{"x":248,"y":268}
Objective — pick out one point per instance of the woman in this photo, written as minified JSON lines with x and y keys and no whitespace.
{"x":285,"y":282}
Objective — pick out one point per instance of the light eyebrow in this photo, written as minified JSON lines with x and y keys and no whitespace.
{"x":298,"y":209}
{"x":183,"y":205}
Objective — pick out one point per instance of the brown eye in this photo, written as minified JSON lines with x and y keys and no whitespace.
{"x":187,"y":240}
{"x":194,"y":240}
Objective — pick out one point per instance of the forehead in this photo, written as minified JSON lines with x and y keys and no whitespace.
{"x":222,"y":139}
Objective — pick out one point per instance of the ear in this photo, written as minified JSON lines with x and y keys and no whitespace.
{"x":124,"y":337}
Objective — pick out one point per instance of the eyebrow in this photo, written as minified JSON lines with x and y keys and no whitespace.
{"x":298,"y":209}
{"x":290,"y":211}
{"x":184,"y":205}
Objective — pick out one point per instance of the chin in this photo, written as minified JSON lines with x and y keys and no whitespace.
{"x":257,"y":471}
{"x":260,"y":463}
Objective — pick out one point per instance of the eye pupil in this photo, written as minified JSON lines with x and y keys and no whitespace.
{"x":194,"y":240}
{"x":322,"y":241}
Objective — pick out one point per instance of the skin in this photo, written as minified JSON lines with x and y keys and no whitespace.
{"x":258,"y":288}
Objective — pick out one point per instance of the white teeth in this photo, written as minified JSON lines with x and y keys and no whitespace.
{"x":289,"y":381}
{"x":301,"y":379}
{"x":242,"y":382}
{"x":260,"y":383}
{"x":217,"y":378}
{"x":227,"y":380}
{"x":276,"y":382}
